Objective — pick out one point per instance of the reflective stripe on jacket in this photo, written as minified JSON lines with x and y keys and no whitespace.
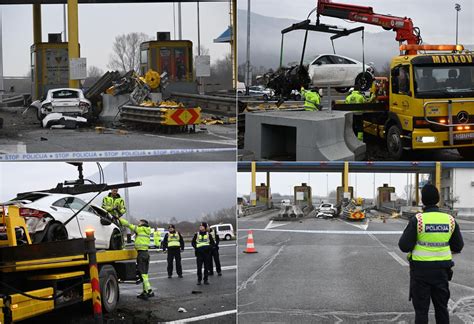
{"x":311,"y":100}
{"x":115,"y":206}
{"x":434,"y":230}
{"x":157,"y":237}
{"x":142,"y":235}
{"x":355,"y":98}
{"x":202,"y":240}
{"x":173,"y":240}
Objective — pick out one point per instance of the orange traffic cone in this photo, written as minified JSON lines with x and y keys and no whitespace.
{"x":250,"y":244}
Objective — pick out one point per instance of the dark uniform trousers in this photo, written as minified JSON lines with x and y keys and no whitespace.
{"x":174,"y":253}
{"x":202,"y":259}
{"x":426,"y":284}
{"x":143,"y":262}
{"x":214,"y":258}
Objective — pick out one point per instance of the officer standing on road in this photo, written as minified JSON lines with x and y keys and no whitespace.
{"x":114,"y":204}
{"x":355,"y":96}
{"x":174,"y":243}
{"x":429,"y":239}
{"x":214,"y":258}
{"x":157,"y":238}
{"x":142,"y":242}
{"x":312,"y":99}
{"x":202,"y":244}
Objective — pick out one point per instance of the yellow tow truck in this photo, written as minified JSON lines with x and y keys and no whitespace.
{"x":428,"y":102}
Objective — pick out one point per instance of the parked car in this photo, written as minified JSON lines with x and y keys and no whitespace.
{"x":339,"y":71}
{"x":48,"y":218}
{"x":285,"y":202}
{"x":225,"y":231}
{"x":326,"y":210}
{"x":66,"y":101}
{"x":259,"y":90}
{"x":241,"y":87}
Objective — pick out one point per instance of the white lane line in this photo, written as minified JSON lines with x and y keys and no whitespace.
{"x":271,"y":225}
{"x":252,"y":279}
{"x":188,"y":247}
{"x":203,"y":317}
{"x":185,"y":259}
{"x":398,"y":259}
{"x":242,"y":237}
{"x":378,"y":241}
{"x":324,"y":231}
{"x":19,"y":148}
{"x":221,"y":142}
{"x":361,"y":226}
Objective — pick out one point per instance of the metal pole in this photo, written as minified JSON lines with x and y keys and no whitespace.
{"x":281,"y":50}
{"x":174,"y":21}
{"x":200,"y":87}
{"x":254,"y":186}
{"x":180,"y":30}
{"x":457,"y":6}
{"x":127,"y":201}
{"x":248,"y":79}
{"x":64,"y":22}
{"x":2,"y":87}
{"x":94,"y":276}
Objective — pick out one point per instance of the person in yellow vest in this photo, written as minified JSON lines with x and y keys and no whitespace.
{"x":174,"y":243}
{"x":157,"y":238}
{"x":114,"y":204}
{"x":214,"y":258}
{"x":355,"y":96}
{"x":312,"y":99}
{"x":430,"y":238}
{"x":202,"y":243}
{"x":142,"y":242}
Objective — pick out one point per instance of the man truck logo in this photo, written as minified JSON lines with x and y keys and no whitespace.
{"x":463,"y":117}
{"x":437,"y":228}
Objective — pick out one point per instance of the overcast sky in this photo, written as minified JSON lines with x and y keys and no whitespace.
{"x":322,"y":183}
{"x":100,"y":23}
{"x":185,"y":190}
{"x":436,"y":18}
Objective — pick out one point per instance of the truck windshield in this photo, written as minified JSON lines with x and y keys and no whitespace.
{"x":447,"y":81}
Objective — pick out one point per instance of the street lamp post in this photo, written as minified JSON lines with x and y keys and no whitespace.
{"x":457,"y":6}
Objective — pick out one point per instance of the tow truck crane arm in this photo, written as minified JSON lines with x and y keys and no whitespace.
{"x":404,"y":28}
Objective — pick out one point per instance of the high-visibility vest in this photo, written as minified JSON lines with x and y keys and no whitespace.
{"x":434,"y":230}
{"x":111,"y":205}
{"x":355,"y":98}
{"x":173,"y":240}
{"x":157,"y":237}
{"x":311,"y":100}
{"x":142,"y":235}
{"x":202,"y":240}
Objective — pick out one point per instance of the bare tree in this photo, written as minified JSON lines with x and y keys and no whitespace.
{"x":94,"y":72}
{"x":204,"y":50}
{"x":126,"y":52}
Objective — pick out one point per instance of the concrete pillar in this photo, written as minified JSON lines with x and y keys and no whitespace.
{"x":73,"y":32}
{"x":254,"y":184}
{"x":233,"y":43}
{"x":37,"y":23}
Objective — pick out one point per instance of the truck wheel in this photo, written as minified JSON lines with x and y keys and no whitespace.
{"x":56,"y":232}
{"x":109,"y":288}
{"x":466,"y":152}
{"x":227,"y":237}
{"x":116,"y":241}
{"x":394,"y":142}
{"x":364,"y":81}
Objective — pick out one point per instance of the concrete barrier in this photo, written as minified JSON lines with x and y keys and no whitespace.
{"x":302,"y":136}
{"x":110,"y":106}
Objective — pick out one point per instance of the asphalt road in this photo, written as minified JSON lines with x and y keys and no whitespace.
{"x":22,"y":134}
{"x":330,"y":271}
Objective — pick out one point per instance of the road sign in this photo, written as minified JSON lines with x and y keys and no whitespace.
{"x":78,"y":68}
{"x":300,"y":195}
{"x":393,"y":196}
{"x":203,"y":66}
{"x":183,"y":116}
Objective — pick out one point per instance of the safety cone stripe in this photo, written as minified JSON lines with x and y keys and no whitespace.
{"x":250,"y":244}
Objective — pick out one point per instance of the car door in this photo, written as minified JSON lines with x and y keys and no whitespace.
{"x":340,"y":71}
{"x":321,"y":71}
{"x":88,"y":219}
{"x":63,"y":212}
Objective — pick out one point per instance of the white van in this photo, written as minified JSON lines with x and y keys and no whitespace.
{"x":225,"y":231}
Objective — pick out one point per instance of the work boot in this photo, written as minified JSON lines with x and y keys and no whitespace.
{"x":143,"y":295}
{"x":219,"y":274}
{"x":180,"y":276}
{"x":211,"y":273}
{"x":138,"y":281}
{"x":150,"y":293}
{"x":169,"y":276}
{"x":206,"y":282}
{"x":199,"y":283}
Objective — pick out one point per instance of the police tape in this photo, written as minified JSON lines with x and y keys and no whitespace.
{"x":87,"y":155}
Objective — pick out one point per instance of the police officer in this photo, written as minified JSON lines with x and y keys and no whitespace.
{"x":429,"y":239}
{"x":312,"y":99}
{"x":355,"y":96}
{"x":214,"y":258}
{"x":202,"y":243}
{"x":157,"y":238}
{"x":114,"y":204}
{"x":142,"y":241}
{"x":174,"y":243}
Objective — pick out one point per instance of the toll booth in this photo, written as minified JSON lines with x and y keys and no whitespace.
{"x":340,"y":194}
{"x":383,"y":195}
{"x":262,"y":193}
{"x":303,"y":196}
{"x":49,"y":66}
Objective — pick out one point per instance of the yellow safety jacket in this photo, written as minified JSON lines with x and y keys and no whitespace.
{"x":202,"y":240}
{"x":434,"y":232}
{"x":142,"y":235}
{"x":311,"y":100}
{"x":157,"y":237}
{"x":173,"y":240}
{"x":115,"y":206}
{"x":355,"y":98}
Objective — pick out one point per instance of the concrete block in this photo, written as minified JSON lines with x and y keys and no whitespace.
{"x":111,"y":104}
{"x":302,"y":136}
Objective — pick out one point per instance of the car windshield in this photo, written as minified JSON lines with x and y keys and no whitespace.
{"x":445,"y":81}
{"x":65,"y":94}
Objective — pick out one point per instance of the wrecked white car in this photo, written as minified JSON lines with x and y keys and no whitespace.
{"x":65,"y":101}
{"x":326,"y":210}
{"x":58,"y":120}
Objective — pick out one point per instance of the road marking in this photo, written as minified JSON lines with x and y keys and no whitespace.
{"x":271,"y":225}
{"x":19,"y":148}
{"x":203,"y":317}
{"x":378,"y":241}
{"x":362,"y":227}
{"x":323,"y":231}
{"x":398,"y":259}
{"x":222,"y":142}
{"x":185,"y":259}
{"x":252,"y":279}
{"x":186,"y":248}
{"x":242,"y":237}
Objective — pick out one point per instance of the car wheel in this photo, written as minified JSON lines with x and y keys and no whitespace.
{"x":39,"y":114}
{"x":342,"y":90}
{"x":56,"y":232}
{"x":109,"y":288}
{"x":116,"y":240}
{"x":227,"y":237}
{"x":394,"y":142}
{"x":364,"y":81}
{"x":265,"y":97}
{"x":466,"y":152}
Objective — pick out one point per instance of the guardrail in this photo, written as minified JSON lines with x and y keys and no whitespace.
{"x":213,"y":104}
